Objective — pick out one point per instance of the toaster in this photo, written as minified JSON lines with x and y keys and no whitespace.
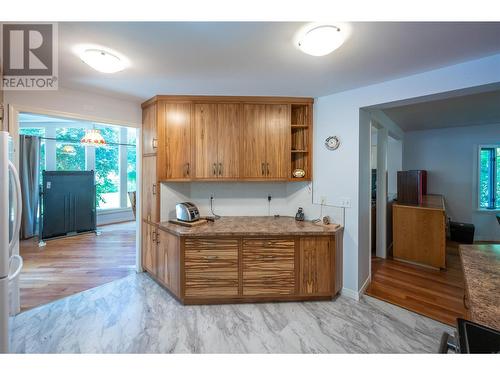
{"x":187,"y":211}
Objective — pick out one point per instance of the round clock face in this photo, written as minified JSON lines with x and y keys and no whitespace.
{"x":332,"y":143}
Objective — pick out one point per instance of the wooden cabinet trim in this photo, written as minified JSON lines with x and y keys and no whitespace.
{"x":227,"y":99}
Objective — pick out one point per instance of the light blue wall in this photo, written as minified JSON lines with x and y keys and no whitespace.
{"x":338,"y":173}
{"x":450,"y":157}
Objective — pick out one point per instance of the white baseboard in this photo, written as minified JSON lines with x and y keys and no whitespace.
{"x":356,"y":295}
{"x":115,"y":216}
{"x":364,"y":286}
{"x":349,"y":293}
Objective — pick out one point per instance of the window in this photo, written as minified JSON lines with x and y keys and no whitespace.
{"x":107,"y":169}
{"x":114,"y":164}
{"x":70,"y":155}
{"x":489,"y":177}
{"x":131,"y":162}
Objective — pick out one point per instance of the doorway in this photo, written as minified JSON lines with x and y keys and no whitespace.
{"x":59,"y":266}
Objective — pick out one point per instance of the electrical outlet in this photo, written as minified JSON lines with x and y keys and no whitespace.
{"x":322,"y":200}
{"x":345,"y":202}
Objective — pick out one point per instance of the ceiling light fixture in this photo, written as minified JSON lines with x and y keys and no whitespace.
{"x":68,"y":149}
{"x":320,"y":40}
{"x":103,"y":61}
{"x":93,"y":137}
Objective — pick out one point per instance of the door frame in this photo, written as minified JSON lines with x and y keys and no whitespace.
{"x":13,"y":129}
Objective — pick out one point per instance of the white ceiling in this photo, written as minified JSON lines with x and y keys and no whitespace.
{"x":261,"y":59}
{"x":468,"y":110}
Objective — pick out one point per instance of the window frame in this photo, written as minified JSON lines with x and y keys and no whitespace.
{"x":493,"y":178}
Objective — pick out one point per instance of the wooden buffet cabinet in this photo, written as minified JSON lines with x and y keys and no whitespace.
{"x":245,"y":259}
{"x":419,"y":232}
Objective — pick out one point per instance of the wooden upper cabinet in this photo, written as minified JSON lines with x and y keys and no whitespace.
{"x":150,"y":189}
{"x":149,"y":129}
{"x":277,"y":141}
{"x":254,"y":140}
{"x":266,"y":141}
{"x":228,"y":140}
{"x":205,"y":141}
{"x":174,"y":133}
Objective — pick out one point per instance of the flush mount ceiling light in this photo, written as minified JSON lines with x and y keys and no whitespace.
{"x":100,"y":58}
{"x":320,"y":40}
{"x":102,"y":61}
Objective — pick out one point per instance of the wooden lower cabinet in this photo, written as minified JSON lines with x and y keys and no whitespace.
{"x":229,"y":269}
{"x":210,"y":267}
{"x":149,"y":248}
{"x":315,"y":276}
{"x":268,"y":267}
{"x":168,"y":256}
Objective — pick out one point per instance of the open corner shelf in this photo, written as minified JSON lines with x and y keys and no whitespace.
{"x":301,"y":138}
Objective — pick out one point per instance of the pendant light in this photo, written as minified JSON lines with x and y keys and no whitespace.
{"x":68,"y":149}
{"x":93,"y":137}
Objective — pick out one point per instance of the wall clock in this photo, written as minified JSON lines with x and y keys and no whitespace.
{"x":332,"y":143}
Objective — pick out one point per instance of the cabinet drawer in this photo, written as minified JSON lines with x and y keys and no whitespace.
{"x":211,"y":267}
{"x":268,"y":267}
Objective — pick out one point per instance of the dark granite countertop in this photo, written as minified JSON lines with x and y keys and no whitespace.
{"x":481,"y":266}
{"x":253,"y":226}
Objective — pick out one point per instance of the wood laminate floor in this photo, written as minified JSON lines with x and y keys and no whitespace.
{"x":437,"y":294}
{"x":70,"y":265}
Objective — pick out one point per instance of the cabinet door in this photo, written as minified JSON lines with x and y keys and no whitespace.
{"x":149,"y":127}
{"x":277,"y":140}
{"x":315,"y":275}
{"x":149,"y":248}
{"x":177,"y":120}
{"x":211,"y":267}
{"x":268,"y":267}
{"x":150,"y":189}
{"x":228,"y":138}
{"x":205,"y":141}
{"x":169,"y":260}
{"x":254,"y":140}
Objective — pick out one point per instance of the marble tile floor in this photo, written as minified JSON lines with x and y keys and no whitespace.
{"x":135,"y":315}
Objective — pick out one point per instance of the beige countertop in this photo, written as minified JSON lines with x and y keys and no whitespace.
{"x":481,"y":266}
{"x":253,"y":226}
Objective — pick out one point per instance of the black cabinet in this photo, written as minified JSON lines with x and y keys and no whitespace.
{"x":68,"y":203}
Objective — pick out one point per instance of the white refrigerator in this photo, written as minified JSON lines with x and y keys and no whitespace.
{"x":10,"y":221}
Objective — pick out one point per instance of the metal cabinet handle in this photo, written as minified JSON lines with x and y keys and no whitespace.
{"x":212,"y":257}
{"x":214,"y":169}
{"x":154,"y":189}
{"x":153,"y":235}
{"x":154,"y":143}
{"x":157,"y":238}
{"x":220,"y":169}
{"x":187,"y":169}
{"x":267,"y":169}
{"x":262,"y":169}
